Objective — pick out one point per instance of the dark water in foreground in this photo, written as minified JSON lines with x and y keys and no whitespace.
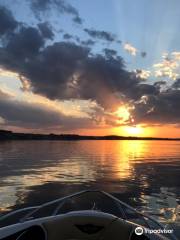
{"x":144,"y":174}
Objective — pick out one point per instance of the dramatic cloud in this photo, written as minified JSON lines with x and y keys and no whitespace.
{"x":34,"y":116}
{"x":62,"y":6}
{"x":26,"y":85}
{"x":100,"y":77}
{"x":162,"y":108}
{"x":103,"y":35}
{"x":130,"y":49}
{"x":176,"y":84}
{"x":7,"y":21}
{"x":166,"y":69}
{"x":88,"y":42}
{"x":141,"y":73}
{"x":169,"y":66}
{"x":67,"y":36}
{"x":109,"y":52}
{"x":64,"y":70}
{"x":24,"y":44}
{"x":46,"y":30}
{"x":53,"y":72}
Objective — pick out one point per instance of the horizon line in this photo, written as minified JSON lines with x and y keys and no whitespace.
{"x":7,"y":133}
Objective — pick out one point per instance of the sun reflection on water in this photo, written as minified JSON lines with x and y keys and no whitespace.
{"x":113,"y":166}
{"x":126,"y":151}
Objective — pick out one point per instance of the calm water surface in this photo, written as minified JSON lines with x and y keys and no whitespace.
{"x":145,"y":174}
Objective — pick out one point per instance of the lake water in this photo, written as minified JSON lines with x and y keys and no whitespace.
{"x":145,"y":174}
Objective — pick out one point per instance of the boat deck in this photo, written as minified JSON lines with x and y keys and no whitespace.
{"x":85,"y":200}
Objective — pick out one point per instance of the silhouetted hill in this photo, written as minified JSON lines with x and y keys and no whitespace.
{"x":9,"y":135}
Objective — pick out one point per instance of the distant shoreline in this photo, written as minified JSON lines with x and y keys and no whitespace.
{"x":9,"y":135}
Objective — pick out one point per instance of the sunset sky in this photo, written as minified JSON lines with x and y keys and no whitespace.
{"x":90,"y":67}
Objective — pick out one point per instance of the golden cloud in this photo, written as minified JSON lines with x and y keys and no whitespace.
{"x":6,"y":73}
{"x":168,"y":67}
{"x":141,"y":73}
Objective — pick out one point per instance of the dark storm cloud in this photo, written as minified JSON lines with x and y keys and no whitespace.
{"x":88,"y":42}
{"x":41,"y":6}
{"x":46,"y":30}
{"x":143,"y":54}
{"x":100,"y":73}
{"x":75,"y":38}
{"x":20,"y":47}
{"x":25,"y":43}
{"x":67,"y":36}
{"x":65,"y":70}
{"x":139,"y":90}
{"x":23,"y":114}
{"x":51,"y":72}
{"x":103,"y":35}
{"x":109,"y":52}
{"x":162,"y":108}
{"x":77,"y":19}
{"x":7,"y":21}
{"x":160,"y":83}
{"x":176,"y":84}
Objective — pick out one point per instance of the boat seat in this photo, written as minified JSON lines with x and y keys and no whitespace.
{"x":80,"y":225}
{"x":88,"y":226}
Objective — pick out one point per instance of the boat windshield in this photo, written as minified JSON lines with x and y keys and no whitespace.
{"x":87,"y":200}
{"x":103,"y":202}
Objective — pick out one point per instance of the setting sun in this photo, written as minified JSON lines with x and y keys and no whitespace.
{"x":89,"y":118}
{"x":134,"y":130}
